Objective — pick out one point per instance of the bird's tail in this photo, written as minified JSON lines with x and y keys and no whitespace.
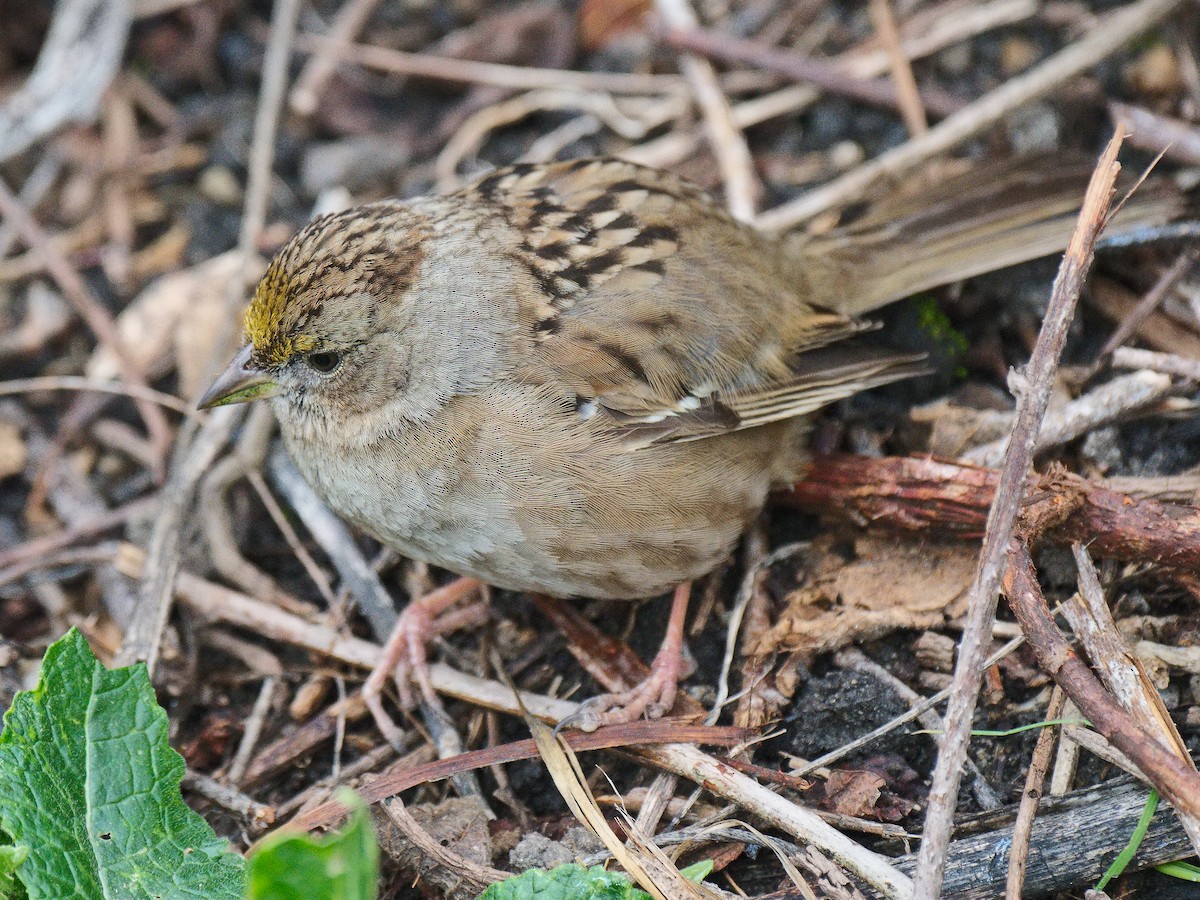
{"x":982,"y":219}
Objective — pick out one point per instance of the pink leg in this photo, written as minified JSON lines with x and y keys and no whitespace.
{"x":656,"y":694}
{"x":404,"y":656}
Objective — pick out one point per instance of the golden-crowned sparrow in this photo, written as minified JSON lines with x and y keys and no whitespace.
{"x":582,"y":378}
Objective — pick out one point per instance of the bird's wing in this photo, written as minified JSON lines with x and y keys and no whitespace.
{"x":661,"y":313}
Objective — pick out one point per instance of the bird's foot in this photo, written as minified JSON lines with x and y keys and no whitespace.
{"x":655,"y":695}
{"x":404,"y":656}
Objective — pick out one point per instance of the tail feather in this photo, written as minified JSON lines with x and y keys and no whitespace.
{"x":980,"y":220}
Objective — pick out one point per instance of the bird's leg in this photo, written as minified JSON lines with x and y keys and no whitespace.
{"x":404,"y":655}
{"x":656,"y":693}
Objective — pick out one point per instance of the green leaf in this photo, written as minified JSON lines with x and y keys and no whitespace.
{"x":10,"y":858}
{"x":572,"y":882}
{"x":1124,"y":858}
{"x":569,"y":882}
{"x":296,"y":866}
{"x":1181,"y":870}
{"x":91,"y":790}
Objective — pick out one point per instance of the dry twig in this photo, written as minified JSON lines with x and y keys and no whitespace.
{"x":1034,"y":391}
{"x":907,"y":92}
{"x":1018,"y":858}
{"x":832,"y":77}
{"x":1175,"y":779}
{"x":742,"y":189}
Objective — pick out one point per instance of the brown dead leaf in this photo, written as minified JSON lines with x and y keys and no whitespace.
{"x":852,"y":793}
{"x":878,"y":790}
{"x":903,"y":787}
{"x":602,"y":20}
{"x":890,"y":584}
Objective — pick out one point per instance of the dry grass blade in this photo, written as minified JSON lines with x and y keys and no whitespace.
{"x":788,"y":866}
{"x":728,"y":144}
{"x":884,"y":19}
{"x":77,"y":383}
{"x":563,"y":766}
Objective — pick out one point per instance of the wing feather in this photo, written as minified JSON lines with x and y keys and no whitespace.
{"x":605,"y":242}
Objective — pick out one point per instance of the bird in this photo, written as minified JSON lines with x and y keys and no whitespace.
{"x":582,"y":379}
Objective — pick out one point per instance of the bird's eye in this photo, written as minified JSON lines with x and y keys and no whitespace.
{"x":323,"y":361}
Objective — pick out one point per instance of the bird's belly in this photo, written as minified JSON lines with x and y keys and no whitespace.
{"x":612,"y":526}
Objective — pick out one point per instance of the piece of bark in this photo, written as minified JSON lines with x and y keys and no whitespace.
{"x":1098,"y":829}
{"x":938,"y":498}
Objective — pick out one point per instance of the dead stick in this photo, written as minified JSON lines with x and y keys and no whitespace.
{"x":1031,"y":797}
{"x":928,"y":496}
{"x":830,"y":77}
{"x":1174,"y":778}
{"x":728,"y":144}
{"x":907,"y":91}
{"x":1033,"y":399}
{"x":1152,"y":299}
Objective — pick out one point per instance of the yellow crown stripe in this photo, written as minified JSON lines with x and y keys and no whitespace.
{"x":264,"y":320}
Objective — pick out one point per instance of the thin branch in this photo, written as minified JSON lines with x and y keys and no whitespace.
{"x":1031,"y":796}
{"x":1109,"y":402}
{"x":78,"y":383}
{"x":1168,"y":363}
{"x":1174,"y":778}
{"x":1151,"y":301}
{"x":1174,"y":138}
{"x":465,"y":71}
{"x":1033,"y":390}
{"x":907,"y":92}
{"x":832,"y":76}
{"x":349,"y":21}
{"x":742,"y":188}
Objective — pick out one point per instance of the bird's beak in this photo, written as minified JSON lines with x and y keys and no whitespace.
{"x":239,"y":383}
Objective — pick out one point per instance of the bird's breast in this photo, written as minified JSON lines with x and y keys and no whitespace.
{"x":520,"y":493}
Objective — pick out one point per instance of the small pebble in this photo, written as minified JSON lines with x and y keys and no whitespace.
{"x":220,"y":185}
{"x":1155,"y":71}
{"x":1017,"y":54}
